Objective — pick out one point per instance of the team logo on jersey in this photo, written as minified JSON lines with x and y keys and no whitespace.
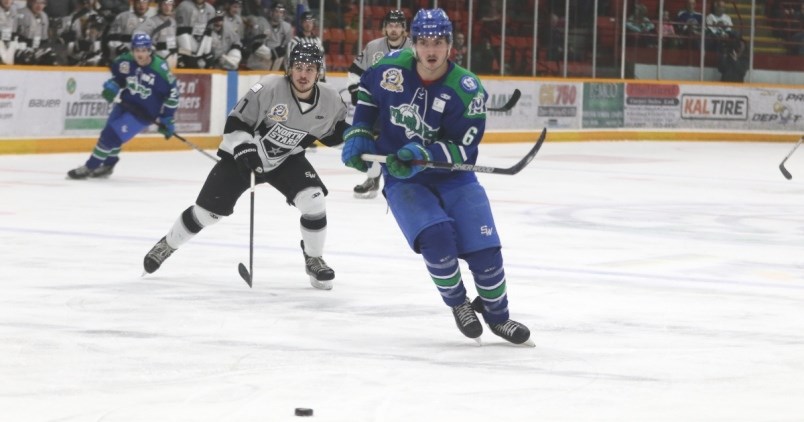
{"x":147,"y":78}
{"x":469,"y":84}
{"x":136,"y":88}
{"x":408,"y":117}
{"x":377,"y":57}
{"x":280,"y":139}
{"x":392,"y":80}
{"x":486,"y":231}
{"x":477,"y":106}
{"x":279,"y":113}
{"x":125,"y":68}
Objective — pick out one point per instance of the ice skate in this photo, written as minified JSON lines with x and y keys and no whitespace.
{"x":467,"y":321}
{"x":510,"y":330}
{"x":368,"y":189}
{"x":103,"y":171}
{"x":79,"y":173}
{"x":320,"y":273}
{"x":157,"y":255}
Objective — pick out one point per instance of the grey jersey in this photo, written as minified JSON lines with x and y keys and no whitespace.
{"x":188,"y":15}
{"x":123,"y":27}
{"x":33,"y":29}
{"x":371,"y":54}
{"x":162,"y":30}
{"x":8,"y":23}
{"x":271,"y":107}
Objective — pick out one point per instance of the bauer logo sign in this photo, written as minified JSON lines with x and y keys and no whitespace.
{"x":714,"y":107}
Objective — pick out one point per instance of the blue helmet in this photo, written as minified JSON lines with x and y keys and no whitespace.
{"x":431,"y":23}
{"x":141,"y":41}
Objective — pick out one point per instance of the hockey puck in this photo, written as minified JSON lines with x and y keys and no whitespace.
{"x":303,"y":411}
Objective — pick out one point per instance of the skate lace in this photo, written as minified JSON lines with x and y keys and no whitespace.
{"x":316,"y":264}
{"x":465,"y":313}
{"x":161,"y":251}
{"x":507,"y":328}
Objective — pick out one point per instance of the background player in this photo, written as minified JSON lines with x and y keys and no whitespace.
{"x":394,"y":26}
{"x":267,"y":133}
{"x":147,"y":92}
{"x":430,"y":108}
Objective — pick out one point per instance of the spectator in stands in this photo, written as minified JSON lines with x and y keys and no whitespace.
{"x":639,"y":23}
{"x":226,"y":51}
{"x":733,"y":64}
{"x":192,"y":34}
{"x":87,"y":49}
{"x":233,"y":17}
{"x":305,"y":34}
{"x":491,"y":18}
{"x":269,"y":40}
{"x":8,"y":31}
{"x":669,"y":39}
{"x":73,"y":26}
{"x":123,"y":27}
{"x":34,"y":46}
{"x":798,"y":30}
{"x":459,"y":51}
{"x":162,"y":30}
{"x":483,"y":57}
{"x":718,"y":24}
{"x":689,"y":21}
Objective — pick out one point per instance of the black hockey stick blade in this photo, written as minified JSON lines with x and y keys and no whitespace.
{"x":785,"y":173}
{"x":511,"y":102}
{"x":244,"y":273}
{"x":516,"y":168}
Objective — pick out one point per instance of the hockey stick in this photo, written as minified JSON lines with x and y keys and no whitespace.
{"x":248,"y":274}
{"x":516,"y":168}
{"x":161,"y":126}
{"x":786,"y":173}
{"x":510,"y":104}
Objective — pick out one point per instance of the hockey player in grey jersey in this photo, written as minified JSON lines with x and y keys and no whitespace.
{"x":123,"y":26}
{"x":162,"y":30}
{"x":394,"y":26}
{"x":267,"y":133}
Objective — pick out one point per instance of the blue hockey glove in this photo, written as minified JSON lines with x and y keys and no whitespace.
{"x":247,"y":159}
{"x":399,"y":165}
{"x":359,"y":141}
{"x":167,"y":126}
{"x":110,"y":90}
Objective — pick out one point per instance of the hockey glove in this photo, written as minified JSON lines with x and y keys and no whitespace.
{"x":353,"y":92}
{"x":399,"y":164}
{"x":358,"y":141}
{"x":167,"y":126}
{"x":280,"y":52}
{"x":247,"y":159}
{"x":110,"y":90}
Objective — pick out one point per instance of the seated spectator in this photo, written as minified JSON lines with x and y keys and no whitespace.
{"x":162,"y":30}
{"x":268,"y":40}
{"x":639,"y":23}
{"x":459,"y":50}
{"x":34,"y":46}
{"x":689,"y":21}
{"x":123,"y":26}
{"x":87,"y":49}
{"x":669,"y":39}
{"x":192,"y":33}
{"x":483,"y":57}
{"x":233,"y":18}
{"x":718,"y":23}
{"x":8,"y":31}
{"x":226,"y":50}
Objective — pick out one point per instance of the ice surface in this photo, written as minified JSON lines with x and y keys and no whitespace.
{"x":662,"y":281}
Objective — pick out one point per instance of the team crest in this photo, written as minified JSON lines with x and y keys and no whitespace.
{"x":377,"y":57}
{"x":279,"y":113}
{"x":477,"y":106}
{"x":469,"y":84}
{"x":125,"y":68}
{"x":392,"y":80}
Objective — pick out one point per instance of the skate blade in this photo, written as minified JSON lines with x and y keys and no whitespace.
{"x":321,"y":284}
{"x":368,"y":195}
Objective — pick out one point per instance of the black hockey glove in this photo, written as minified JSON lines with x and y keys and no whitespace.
{"x":353,"y":92}
{"x":280,"y":52}
{"x":247,"y":159}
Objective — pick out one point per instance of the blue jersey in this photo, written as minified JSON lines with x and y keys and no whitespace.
{"x":151,"y":89}
{"x":448,"y":116}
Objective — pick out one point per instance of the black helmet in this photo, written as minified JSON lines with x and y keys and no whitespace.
{"x":306,"y":53}
{"x":308,"y":15}
{"x":395,"y":15}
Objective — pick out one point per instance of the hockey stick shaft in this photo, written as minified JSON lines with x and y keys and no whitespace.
{"x":248,"y":275}
{"x":784,"y":171}
{"x":510,"y":104}
{"x":516,"y":168}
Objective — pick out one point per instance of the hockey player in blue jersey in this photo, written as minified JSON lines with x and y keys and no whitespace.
{"x":431,"y":109}
{"x":147,"y":92}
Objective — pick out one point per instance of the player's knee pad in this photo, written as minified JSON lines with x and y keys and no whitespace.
{"x":487,"y":260}
{"x":109,"y":138}
{"x":311,"y":202}
{"x":437,"y":242}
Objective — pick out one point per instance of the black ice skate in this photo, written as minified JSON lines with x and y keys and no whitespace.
{"x":368,"y":189}
{"x":83,"y":172}
{"x":157,"y":255}
{"x":320,"y":273}
{"x":467,"y":321}
{"x":512,"y":331}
